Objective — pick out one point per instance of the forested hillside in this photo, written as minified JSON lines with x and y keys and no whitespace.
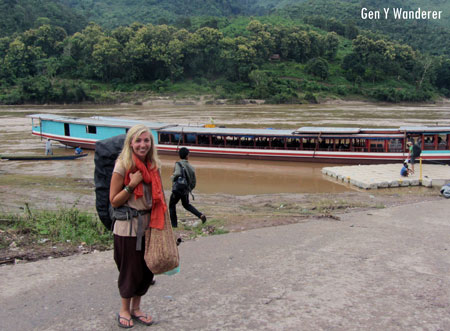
{"x":114,"y":13}
{"x":21,"y":15}
{"x":293,"y":55}
{"x":429,"y":36}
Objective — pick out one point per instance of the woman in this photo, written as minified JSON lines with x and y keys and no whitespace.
{"x":135,"y":183}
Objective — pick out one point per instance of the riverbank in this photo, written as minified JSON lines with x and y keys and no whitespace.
{"x":383,"y":269}
{"x":226,"y":213}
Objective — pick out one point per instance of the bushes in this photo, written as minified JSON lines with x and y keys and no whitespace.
{"x":399,"y":95}
{"x":44,"y":90}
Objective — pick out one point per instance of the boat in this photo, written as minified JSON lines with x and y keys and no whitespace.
{"x":313,"y":144}
{"x":30,"y":157}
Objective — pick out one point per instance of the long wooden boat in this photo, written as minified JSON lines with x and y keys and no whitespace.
{"x":313,"y":144}
{"x":40,"y":157}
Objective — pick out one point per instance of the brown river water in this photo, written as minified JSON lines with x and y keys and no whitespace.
{"x":215,"y":175}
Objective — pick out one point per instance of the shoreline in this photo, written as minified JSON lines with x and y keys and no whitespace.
{"x":208,"y":100}
{"x":226,"y":213}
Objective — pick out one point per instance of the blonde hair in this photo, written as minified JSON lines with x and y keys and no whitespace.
{"x":126,"y":155}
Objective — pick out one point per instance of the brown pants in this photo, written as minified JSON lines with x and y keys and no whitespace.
{"x":134,"y":275}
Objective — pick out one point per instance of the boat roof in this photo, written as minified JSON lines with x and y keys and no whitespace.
{"x":228,"y":131}
{"x":101,"y":121}
{"x":327,"y":130}
{"x":428,"y":129}
{"x":402,"y":129}
{"x":356,"y":133}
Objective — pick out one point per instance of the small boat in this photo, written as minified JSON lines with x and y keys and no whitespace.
{"x":312,"y":144}
{"x":40,"y":157}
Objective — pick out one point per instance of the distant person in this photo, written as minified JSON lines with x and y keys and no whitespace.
{"x":184,"y":196}
{"x":414,"y":153}
{"x":78,"y":150}
{"x":405,"y":171}
{"x":48,"y":147}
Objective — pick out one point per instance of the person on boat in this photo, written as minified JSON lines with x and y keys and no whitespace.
{"x":78,"y":150}
{"x":136,"y":183}
{"x":176,"y":196}
{"x":48,"y":147}
{"x":405,"y":171}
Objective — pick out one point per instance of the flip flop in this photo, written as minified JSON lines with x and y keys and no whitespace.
{"x":129,"y":326}
{"x":141,"y":319}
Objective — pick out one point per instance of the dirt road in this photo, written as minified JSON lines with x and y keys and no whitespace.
{"x":384,"y":269}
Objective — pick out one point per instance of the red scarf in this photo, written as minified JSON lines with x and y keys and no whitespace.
{"x":150,"y":176}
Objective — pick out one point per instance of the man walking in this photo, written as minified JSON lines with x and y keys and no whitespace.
{"x":183,"y":167}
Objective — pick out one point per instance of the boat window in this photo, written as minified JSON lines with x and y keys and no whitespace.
{"x":395,"y":145}
{"x":203,"y":139}
{"x":164,"y":138}
{"x":278,"y":143}
{"x":91,"y":129}
{"x":247,"y":142}
{"x":66,"y":129}
{"x":218,"y":140}
{"x":262,"y":142}
{"x":232,"y":141}
{"x":176,"y":138}
{"x":359,"y":145}
{"x":189,"y":138}
{"x":442,"y":141}
{"x":293,"y":143}
{"x":376,"y":146}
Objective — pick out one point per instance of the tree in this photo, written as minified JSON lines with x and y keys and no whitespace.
{"x":21,"y":59}
{"x":331,"y":45}
{"x":443,"y":75}
{"x":107,"y":58}
{"x":318,"y":67}
{"x":353,"y":66}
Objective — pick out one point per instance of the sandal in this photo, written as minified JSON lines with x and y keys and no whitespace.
{"x":141,"y":319}
{"x":122,"y":325}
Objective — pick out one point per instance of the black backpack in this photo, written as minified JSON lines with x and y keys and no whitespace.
{"x":181,"y":184}
{"x":416,"y":150}
{"x":106,"y":153}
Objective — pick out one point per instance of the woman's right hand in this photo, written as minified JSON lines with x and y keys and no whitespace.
{"x":135,"y":179}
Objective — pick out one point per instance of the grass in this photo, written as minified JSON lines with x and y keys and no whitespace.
{"x":66,"y":225}
{"x":214,"y":226}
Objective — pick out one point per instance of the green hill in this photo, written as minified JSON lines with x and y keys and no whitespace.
{"x":430,"y":36}
{"x":21,"y":15}
{"x":113,"y":13}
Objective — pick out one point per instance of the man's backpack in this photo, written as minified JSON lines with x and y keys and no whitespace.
{"x":106,"y":153}
{"x":181,"y":184}
{"x":416,"y":150}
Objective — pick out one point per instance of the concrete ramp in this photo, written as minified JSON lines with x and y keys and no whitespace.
{"x":388,"y":175}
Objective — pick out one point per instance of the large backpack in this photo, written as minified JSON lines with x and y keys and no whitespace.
{"x":106,"y":153}
{"x":416,"y":150}
{"x":181,"y":184}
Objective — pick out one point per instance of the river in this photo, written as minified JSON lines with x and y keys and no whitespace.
{"x":238,"y":177}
